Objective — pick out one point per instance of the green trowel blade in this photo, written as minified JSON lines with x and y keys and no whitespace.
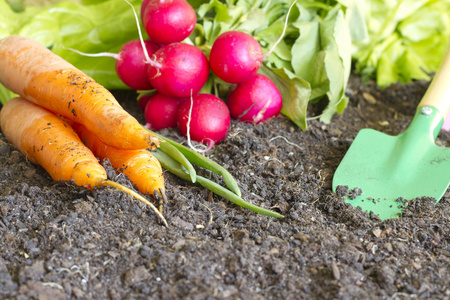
{"x":387,"y":168}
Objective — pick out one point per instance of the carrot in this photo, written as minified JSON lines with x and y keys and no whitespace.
{"x":47,"y":140}
{"x":141,"y":167}
{"x":35,"y":73}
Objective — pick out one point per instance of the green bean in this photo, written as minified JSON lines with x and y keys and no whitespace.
{"x":175,"y":168}
{"x":175,"y":154}
{"x":206,"y":163}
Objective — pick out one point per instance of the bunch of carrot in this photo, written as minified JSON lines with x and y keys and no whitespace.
{"x":63,"y":120}
{"x":50,"y":88}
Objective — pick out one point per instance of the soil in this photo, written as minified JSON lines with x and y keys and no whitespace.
{"x":62,"y":242}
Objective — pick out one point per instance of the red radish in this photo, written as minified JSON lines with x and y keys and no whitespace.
{"x":142,"y":102}
{"x":255,"y":100}
{"x":205,"y":118}
{"x":168,"y":21}
{"x":235,"y":56}
{"x":178,"y":70}
{"x":143,"y":6}
{"x":161,"y":111}
{"x":130,"y":64}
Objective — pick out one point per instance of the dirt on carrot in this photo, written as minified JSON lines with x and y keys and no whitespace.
{"x":63,"y":243}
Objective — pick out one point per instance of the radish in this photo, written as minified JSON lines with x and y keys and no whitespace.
{"x":178,"y":69}
{"x":205,"y":118}
{"x":168,"y":21}
{"x":142,"y":102}
{"x":143,"y":6}
{"x":255,"y":100}
{"x":130,"y":64}
{"x":236,"y":56}
{"x":161,"y":111}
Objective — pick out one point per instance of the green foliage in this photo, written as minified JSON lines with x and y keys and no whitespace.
{"x":406,"y":39}
{"x":91,"y":27}
{"x":390,"y":40}
{"x":312,"y":61}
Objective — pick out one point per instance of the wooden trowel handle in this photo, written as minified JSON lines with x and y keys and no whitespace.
{"x":438,"y":94}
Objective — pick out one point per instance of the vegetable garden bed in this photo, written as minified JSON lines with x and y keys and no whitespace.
{"x":59,"y":242}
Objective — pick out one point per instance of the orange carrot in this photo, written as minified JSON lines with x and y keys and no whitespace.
{"x":35,"y":73}
{"x":141,"y":167}
{"x":47,"y":140}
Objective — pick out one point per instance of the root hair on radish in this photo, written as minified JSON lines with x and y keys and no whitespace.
{"x":141,"y":38}
{"x":100,"y":54}
{"x":147,"y":57}
{"x":282,"y":33}
{"x":202,"y":148}
{"x":236,"y":56}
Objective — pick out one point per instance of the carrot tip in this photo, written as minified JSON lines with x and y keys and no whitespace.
{"x":135,"y":195}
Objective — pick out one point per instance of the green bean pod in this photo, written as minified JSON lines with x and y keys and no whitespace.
{"x":175,"y":168}
{"x":206,"y":163}
{"x":175,"y":154}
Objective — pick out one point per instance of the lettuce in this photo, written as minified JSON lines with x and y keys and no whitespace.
{"x":406,"y":39}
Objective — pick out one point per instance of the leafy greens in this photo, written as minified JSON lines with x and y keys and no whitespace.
{"x":406,"y":39}
{"x":91,"y":28}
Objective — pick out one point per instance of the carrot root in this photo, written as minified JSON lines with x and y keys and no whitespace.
{"x":135,"y":195}
{"x":48,"y":141}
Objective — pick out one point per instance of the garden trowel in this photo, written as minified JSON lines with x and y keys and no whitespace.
{"x":384,"y":170}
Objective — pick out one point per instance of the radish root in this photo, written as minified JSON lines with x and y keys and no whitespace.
{"x":189,"y":141}
{"x":282,"y":34}
{"x":116,"y":56}
{"x":141,"y":38}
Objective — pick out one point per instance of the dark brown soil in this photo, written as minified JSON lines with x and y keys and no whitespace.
{"x":60,"y":242}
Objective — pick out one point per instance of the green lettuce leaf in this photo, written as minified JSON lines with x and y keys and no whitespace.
{"x":295,"y":92}
{"x":406,"y":40}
